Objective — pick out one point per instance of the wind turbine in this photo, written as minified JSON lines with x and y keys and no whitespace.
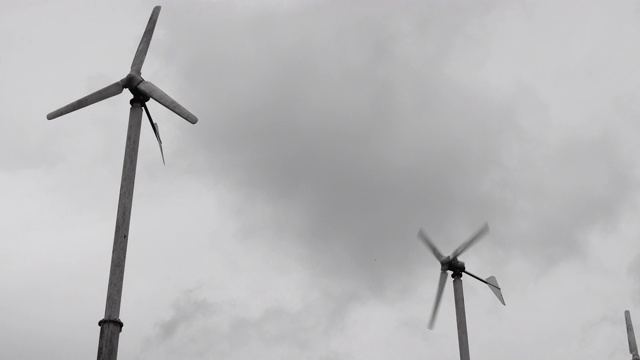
{"x":142,"y":90}
{"x":451,"y":263}
{"x":631,"y":336}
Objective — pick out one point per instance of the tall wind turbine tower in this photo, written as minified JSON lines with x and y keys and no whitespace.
{"x":142,"y":91}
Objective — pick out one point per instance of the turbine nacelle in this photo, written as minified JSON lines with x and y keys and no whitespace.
{"x":449,"y":264}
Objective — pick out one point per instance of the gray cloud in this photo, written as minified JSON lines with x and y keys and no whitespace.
{"x":185,"y":311}
{"x":200,"y":329}
{"x":348,"y":116}
{"x":357,"y":120}
{"x":633,"y":271}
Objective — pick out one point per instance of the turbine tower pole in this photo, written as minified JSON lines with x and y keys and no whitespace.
{"x":111,"y":325}
{"x":142,"y":90}
{"x":457,"y":267}
{"x":631,"y":336}
{"x":463,"y":339}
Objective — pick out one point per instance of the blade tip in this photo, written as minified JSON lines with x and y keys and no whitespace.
{"x":54,"y":114}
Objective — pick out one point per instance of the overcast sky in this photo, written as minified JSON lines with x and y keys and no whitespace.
{"x":284,"y":223}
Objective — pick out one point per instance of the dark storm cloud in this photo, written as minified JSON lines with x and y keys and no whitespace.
{"x":355,"y":117}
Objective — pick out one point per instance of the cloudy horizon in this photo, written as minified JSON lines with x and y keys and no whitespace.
{"x":284,"y":223}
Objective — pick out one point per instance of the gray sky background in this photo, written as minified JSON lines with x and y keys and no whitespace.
{"x":284,"y":224}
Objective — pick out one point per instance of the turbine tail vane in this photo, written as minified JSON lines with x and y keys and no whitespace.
{"x":633,"y":346}
{"x":436,"y":305}
{"x":102,"y":94}
{"x":156,"y":130}
{"x":141,"y":53}
{"x":492,"y":282}
{"x":160,"y":96}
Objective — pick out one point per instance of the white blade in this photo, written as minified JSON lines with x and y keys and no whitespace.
{"x":441,"y":284}
{"x":493,"y":285}
{"x":467,"y":244}
{"x":158,"y":95}
{"x":633,"y":347}
{"x":141,"y":53}
{"x":422,"y":235}
{"x":102,"y":94}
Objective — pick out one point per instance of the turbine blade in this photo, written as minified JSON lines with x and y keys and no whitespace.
{"x":158,"y":95}
{"x":104,"y":93}
{"x":441,"y":284}
{"x":467,"y":244}
{"x":423,"y":236}
{"x":141,"y":53}
{"x":156,"y":130}
{"x":492,"y":282}
{"x":633,"y":347}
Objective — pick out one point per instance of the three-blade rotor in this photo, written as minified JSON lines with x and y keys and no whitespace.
{"x":631,"y":337}
{"x":136,"y":84}
{"x":451,"y":263}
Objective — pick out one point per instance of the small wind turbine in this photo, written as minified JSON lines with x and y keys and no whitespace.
{"x":631,"y":336}
{"x":451,"y":263}
{"x":142,"y":90}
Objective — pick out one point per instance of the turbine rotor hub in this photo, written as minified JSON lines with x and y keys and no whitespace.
{"x":131,"y":81}
{"x":444,"y":263}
